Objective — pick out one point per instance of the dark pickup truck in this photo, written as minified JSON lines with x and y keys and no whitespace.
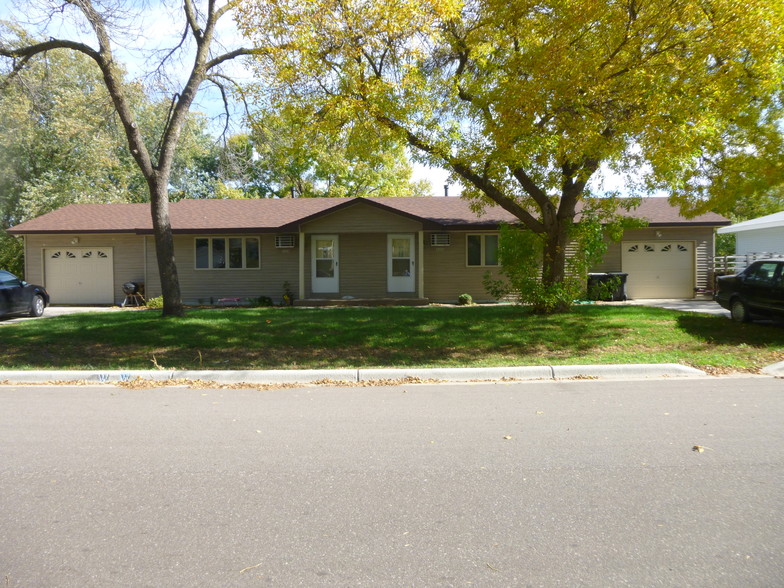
{"x":757,"y":291}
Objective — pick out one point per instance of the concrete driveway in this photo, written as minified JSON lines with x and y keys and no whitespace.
{"x":687,"y":305}
{"x":60,"y":311}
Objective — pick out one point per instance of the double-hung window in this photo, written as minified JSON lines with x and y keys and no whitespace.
{"x":227,"y":253}
{"x":482,"y":250}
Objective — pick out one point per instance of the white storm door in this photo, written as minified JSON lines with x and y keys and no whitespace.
{"x":400,"y":264}
{"x":324,"y":271}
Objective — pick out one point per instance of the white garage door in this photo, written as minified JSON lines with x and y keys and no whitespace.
{"x":658,"y":269}
{"x":79,"y":275}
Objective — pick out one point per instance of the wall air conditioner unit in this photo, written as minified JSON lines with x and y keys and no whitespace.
{"x":285,"y":241}
{"x":440,"y":239}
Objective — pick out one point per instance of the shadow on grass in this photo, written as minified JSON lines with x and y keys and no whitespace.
{"x":312,"y":338}
{"x":718,"y":330}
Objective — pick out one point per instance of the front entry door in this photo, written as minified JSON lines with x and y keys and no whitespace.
{"x":325,"y":272}
{"x":400,"y":265}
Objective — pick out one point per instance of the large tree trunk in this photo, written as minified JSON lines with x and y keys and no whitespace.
{"x":164,"y":248}
{"x":554,"y":263}
{"x":557,"y":233}
{"x":554,"y":259}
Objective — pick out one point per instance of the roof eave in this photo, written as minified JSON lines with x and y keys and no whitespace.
{"x":14,"y":231}
{"x":661,"y":225}
{"x":740,"y":229}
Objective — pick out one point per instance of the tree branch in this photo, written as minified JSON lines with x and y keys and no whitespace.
{"x":190,"y":17}
{"x":484,"y":184}
{"x":103,"y":58}
{"x":32,"y":50}
{"x":214,"y":79}
{"x":533,"y":190}
{"x":231,"y":55}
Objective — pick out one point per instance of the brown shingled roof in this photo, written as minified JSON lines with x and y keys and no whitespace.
{"x":269,"y":215}
{"x":89,"y":218}
{"x":659,"y":212}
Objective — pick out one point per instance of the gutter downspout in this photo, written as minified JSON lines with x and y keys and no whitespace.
{"x":301,"y":292}
{"x":24,"y":252}
{"x":421,"y":268}
{"x":146,"y":281}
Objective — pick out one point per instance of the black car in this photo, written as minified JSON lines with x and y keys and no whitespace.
{"x":19,"y":297}
{"x":757,"y":291}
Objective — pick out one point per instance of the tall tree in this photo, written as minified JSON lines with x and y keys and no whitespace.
{"x":58,"y":139}
{"x":154,"y":160}
{"x":523,"y":101}
{"x":300,"y":153}
{"x":61,"y":142}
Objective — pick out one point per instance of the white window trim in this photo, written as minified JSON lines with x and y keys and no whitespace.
{"x":482,"y":248}
{"x":226,"y":239}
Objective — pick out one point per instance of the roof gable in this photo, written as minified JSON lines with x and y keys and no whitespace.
{"x":362,"y":215}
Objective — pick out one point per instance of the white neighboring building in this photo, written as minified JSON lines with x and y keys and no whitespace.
{"x":758,"y":235}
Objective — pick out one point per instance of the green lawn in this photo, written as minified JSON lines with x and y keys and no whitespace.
{"x":296,"y":338}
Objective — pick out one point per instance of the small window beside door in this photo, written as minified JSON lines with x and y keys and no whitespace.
{"x":482,"y":250}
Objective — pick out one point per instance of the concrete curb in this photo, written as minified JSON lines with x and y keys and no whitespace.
{"x":227,"y":376}
{"x":359,"y":375}
{"x":457,"y":374}
{"x":644,"y":370}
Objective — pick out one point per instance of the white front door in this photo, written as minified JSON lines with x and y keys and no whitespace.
{"x":400,"y":264}
{"x":324,"y":269}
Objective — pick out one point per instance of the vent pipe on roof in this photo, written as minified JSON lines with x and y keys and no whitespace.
{"x":446,"y":189}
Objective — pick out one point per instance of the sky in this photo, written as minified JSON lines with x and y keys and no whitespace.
{"x":157,"y":21}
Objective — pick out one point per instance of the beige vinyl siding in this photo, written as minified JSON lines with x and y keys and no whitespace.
{"x":703,"y":238}
{"x":206,"y":286}
{"x":127,"y":253}
{"x":447,"y":274}
{"x":362,"y":265}
{"x":362,"y":249}
{"x":361,"y":219}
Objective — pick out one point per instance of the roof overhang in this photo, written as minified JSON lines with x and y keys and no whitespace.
{"x":754,"y":226}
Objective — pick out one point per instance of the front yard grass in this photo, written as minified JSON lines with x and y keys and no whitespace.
{"x":301,"y":338}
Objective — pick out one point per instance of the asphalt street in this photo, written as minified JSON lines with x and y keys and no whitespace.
{"x":566,"y":483}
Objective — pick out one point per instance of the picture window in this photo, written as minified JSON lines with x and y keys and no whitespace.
{"x":227,"y":253}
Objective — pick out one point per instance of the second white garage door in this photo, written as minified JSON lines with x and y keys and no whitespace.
{"x":79,"y":275}
{"x":658,"y":269}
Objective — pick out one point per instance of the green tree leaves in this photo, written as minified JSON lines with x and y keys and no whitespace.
{"x":293,"y":151}
{"x":523,"y":101}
